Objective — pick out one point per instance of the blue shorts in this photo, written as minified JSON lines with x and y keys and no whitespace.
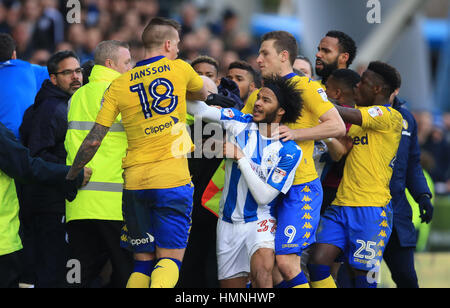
{"x":362,"y":233}
{"x":298,"y":216}
{"x":160,"y":217}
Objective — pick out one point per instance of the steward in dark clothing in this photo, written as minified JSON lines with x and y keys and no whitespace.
{"x":17,"y":164}
{"x":43,"y":131}
{"x":408,"y":173}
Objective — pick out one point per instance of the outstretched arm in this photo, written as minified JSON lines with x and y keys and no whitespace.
{"x":200,"y":109}
{"x":350,"y":115}
{"x":338,"y":147}
{"x":208,"y":87}
{"x":87,"y":149}
{"x":331,"y":125}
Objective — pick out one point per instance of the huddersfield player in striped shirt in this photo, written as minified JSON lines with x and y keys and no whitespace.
{"x":359,"y":221}
{"x":259,"y":169}
{"x":319,"y":120}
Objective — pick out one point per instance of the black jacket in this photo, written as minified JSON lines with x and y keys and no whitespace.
{"x":43,"y":131}
{"x":16,"y":162}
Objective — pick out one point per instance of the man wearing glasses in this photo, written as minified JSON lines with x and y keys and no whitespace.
{"x":43,"y":131}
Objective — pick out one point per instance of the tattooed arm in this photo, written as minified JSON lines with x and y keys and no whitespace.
{"x":87,"y":149}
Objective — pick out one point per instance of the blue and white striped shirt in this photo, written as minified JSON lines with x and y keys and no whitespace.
{"x":273,"y":160}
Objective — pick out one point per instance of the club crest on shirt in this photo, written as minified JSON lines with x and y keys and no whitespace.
{"x":278,"y":175}
{"x":228,"y":113}
{"x":270,"y":160}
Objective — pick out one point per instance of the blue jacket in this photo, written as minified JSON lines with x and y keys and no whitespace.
{"x":19,"y":83}
{"x":407,"y":174}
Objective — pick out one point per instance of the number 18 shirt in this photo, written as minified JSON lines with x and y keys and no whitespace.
{"x":152,"y":101}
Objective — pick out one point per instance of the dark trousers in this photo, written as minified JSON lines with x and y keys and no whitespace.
{"x":199,"y":268}
{"x":50,"y":250}
{"x":9,"y":270}
{"x":94,"y":243}
{"x":400,"y":261}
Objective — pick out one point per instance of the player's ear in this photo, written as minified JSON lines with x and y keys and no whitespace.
{"x":281,"y":112}
{"x":343,"y":58}
{"x":284,"y":56}
{"x":167,"y":45}
{"x":377,"y":89}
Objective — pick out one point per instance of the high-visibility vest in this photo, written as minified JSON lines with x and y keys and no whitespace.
{"x":213,"y":192}
{"x":422,"y":228}
{"x":9,"y":216}
{"x":102,"y":198}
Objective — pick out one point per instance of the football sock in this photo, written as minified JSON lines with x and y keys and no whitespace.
{"x":298,"y":282}
{"x":320,"y":276}
{"x":281,"y":285}
{"x":140,"y":278}
{"x":166,"y":273}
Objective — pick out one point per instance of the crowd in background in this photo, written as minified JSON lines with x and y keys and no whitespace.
{"x":39,"y":29}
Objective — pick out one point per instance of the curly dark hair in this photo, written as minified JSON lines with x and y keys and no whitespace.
{"x":346,"y":44}
{"x":388,"y":74}
{"x":288,"y":95}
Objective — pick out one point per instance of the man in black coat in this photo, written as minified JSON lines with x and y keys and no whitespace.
{"x":43,"y":131}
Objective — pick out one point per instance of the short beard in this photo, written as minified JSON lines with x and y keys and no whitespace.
{"x":269,"y":119}
{"x":327,"y":70}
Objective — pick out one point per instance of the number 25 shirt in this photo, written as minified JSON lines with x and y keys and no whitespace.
{"x":368,"y":168}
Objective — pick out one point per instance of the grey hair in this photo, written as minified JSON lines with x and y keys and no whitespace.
{"x":108,"y":50}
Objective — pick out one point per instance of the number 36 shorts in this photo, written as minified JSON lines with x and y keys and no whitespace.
{"x":237,"y":242}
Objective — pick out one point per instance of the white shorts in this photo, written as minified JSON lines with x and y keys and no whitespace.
{"x":236,"y":243}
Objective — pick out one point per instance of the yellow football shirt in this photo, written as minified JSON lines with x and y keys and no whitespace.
{"x":368,"y":167}
{"x":152,"y":101}
{"x":315,"y":104}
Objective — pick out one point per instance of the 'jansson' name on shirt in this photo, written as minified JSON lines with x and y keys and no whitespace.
{"x":149,"y":71}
